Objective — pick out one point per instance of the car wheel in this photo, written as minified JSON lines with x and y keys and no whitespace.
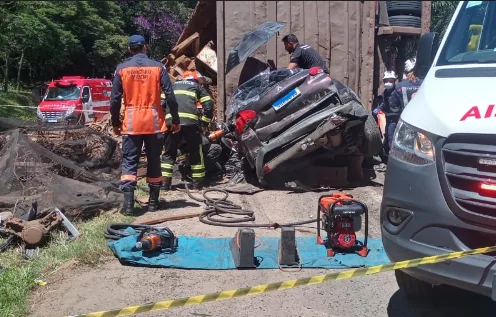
{"x":413,"y":287}
{"x":404,"y":7}
{"x":405,"y":20}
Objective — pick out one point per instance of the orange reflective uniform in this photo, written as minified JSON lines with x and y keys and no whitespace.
{"x":139,"y":81}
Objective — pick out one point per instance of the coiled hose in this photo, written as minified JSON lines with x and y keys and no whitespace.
{"x":116,"y":231}
{"x":219,"y":207}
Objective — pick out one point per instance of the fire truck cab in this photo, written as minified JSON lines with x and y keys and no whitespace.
{"x":75,"y":99}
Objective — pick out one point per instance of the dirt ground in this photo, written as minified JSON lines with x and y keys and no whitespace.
{"x":113,"y":286}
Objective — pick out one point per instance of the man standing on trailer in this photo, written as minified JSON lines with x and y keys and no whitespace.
{"x":139,"y":80}
{"x":302,"y":55}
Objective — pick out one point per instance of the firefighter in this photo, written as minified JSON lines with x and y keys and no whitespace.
{"x":138,"y":81}
{"x":400,"y":97}
{"x":188,"y":93}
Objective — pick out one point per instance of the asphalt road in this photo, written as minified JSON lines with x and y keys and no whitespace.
{"x":111,"y":285}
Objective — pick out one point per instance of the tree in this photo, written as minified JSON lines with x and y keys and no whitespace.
{"x":88,"y":38}
{"x":161,"y":22}
{"x":441,"y":14}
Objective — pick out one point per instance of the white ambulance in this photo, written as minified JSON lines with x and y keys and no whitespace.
{"x":440,"y":187}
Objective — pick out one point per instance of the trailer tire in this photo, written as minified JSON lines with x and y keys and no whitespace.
{"x":406,"y":21}
{"x":404,"y":7}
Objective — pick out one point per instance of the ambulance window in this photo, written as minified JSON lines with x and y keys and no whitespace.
{"x":63,"y":93}
{"x":472,"y":39}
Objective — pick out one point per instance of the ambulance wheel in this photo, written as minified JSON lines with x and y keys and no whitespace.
{"x":414,"y":288}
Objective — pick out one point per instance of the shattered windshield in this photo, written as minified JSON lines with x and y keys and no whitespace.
{"x":253,"y":90}
{"x":472,"y":39}
{"x":62,"y":93}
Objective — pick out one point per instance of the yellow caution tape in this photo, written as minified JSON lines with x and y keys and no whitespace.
{"x":264,"y":288}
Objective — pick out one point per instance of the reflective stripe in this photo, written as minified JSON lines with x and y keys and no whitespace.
{"x":185,"y":92}
{"x":166,"y":174}
{"x":206,"y":98}
{"x":206,"y":119}
{"x":405,"y":96}
{"x":130,"y":115}
{"x":155,"y":119}
{"x":200,"y":167}
{"x":151,"y":180}
{"x":181,"y":157}
{"x":198,"y":175}
{"x":166,"y":165}
{"x":131,"y":178}
{"x":183,"y":115}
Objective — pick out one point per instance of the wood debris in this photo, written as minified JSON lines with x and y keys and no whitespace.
{"x":189,"y":56}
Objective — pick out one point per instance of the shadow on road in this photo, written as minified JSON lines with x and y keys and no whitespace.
{"x":451,"y":303}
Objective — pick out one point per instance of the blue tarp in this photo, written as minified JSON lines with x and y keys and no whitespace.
{"x":215,"y":254}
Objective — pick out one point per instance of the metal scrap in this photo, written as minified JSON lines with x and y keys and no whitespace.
{"x":34,"y":232}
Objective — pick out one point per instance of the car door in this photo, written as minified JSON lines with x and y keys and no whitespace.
{"x":87,"y":104}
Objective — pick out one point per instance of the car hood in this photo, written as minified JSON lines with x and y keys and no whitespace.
{"x":252,"y":41}
{"x":56,"y":105}
{"x":444,"y":106}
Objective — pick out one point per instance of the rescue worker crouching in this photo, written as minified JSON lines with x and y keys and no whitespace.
{"x":188,"y":93}
{"x":400,"y":97}
{"x":138,"y":81}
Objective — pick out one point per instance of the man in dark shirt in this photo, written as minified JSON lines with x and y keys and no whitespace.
{"x":302,"y":56}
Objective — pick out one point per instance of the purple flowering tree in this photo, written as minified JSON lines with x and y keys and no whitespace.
{"x":161,"y":22}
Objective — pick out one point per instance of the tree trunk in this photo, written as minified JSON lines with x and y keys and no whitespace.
{"x":19,"y":71}
{"x":6,"y":73}
{"x":30,"y":69}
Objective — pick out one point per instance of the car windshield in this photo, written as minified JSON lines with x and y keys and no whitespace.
{"x":472,"y":39}
{"x":62,"y":93}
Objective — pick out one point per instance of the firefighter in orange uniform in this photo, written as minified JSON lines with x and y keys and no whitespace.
{"x":139,"y":81}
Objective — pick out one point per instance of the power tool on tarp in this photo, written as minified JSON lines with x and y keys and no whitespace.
{"x":341,"y":217}
{"x":158,"y":238}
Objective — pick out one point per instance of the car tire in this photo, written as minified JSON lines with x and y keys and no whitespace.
{"x":372,"y":142}
{"x":414,"y":288}
{"x":404,"y":7}
{"x":405,"y":21}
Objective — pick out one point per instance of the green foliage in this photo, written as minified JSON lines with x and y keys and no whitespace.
{"x":23,"y":101}
{"x":49,"y":39}
{"x":441,"y":14}
{"x":19,"y":275}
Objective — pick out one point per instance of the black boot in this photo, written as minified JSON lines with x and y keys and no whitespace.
{"x":166,"y":183}
{"x":128,"y":206}
{"x":153,"y":200}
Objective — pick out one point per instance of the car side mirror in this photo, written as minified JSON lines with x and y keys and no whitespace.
{"x":86,"y":98}
{"x":427,"y":49}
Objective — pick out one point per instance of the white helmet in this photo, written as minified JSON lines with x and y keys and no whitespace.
{"x":389,"y":74}
{"x":410,"y":64}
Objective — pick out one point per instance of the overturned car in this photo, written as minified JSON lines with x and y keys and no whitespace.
{"x":286,"y":121}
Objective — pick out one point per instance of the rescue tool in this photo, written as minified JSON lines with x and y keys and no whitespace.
{"x":153,"y":239}
{"x":341,"y":218}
